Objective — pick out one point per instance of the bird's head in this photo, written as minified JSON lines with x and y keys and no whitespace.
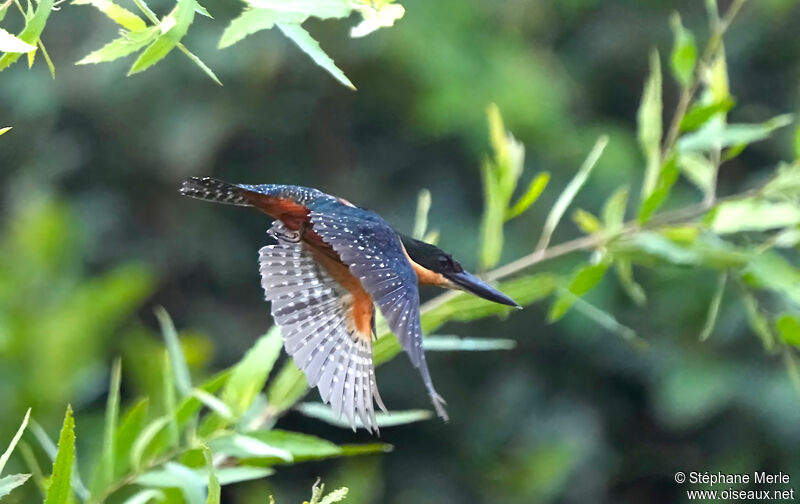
{"x":435,"y":266}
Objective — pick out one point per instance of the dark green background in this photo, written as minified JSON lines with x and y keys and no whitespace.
{"x":89,"y":180}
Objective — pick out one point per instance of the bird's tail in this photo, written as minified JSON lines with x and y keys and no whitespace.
{"x":211,"y":189}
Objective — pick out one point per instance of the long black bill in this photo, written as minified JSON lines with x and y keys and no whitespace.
{"x":473,"y":284}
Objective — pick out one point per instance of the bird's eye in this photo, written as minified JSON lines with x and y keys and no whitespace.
{"x":444,"y":261}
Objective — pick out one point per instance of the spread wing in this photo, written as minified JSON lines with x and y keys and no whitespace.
{"x":315,"y":314}
{"x":374,"y":254}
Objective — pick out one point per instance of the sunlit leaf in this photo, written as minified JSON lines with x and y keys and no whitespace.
{"x":698,"y":169}
{"x":753,"y":214}
{"x":713,"y":308}
{"x":421,"y":217}
{"x":583,"y":280}
{"x":9,"y":483}
{"x":585,"y":221}
{"x":374,"y":19}
{"x":785,"y":184}
{"x":177,"y":22}
{"x":31,"y":33}
{"x":173,"y":475}
{"x":60,"y":490}
{"x":601,"y":318}
{"x":323,"y":412}
{"x":11,"y":44}
{"x":456,"y":344}
{"x":7,"y":453}
{"x":119,"y":15}
{"x":5,"y":130}
{"x":146,"y":496}
{"x":288,"y":386}
{"x":684,"y":51}
{"x":305,"y":447}
{"x":242,"y":446}
{"x":614,"y":210}
{"x":254,"y":20}
{"x":322,"y":9}
{"x":145,"y":437}
{"x":716,"y":134}
{"x":214,"y":489}
{"x":535,"y":189}
{"x":311,"y":47}
{"x":649,"y":125}
{"x":570,"y":191}
{"x":131,"y":424}
{"x":200,"y":64}
{"x":770,"y":270}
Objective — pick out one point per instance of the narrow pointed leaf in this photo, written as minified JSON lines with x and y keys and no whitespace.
{"x":119,"y":15}
{"x":178,"y":22}
{"x":183,"y":380}
{"x":533,"y":192}
{"x":31,"y":33}
{"x":214,"y":489}
{"x":7,"y":453}
{"x":323,"y":412}
{"x":684,"y":51}
{"x":11,"y":44}
{"x":308,"y":45}
{"x":60,"y":490}
{"x":582,"y":281}
{"x":649,"y":125}
{"x":713,"y":308}
{"x":124,"y":45}
{"x":9,"y":483}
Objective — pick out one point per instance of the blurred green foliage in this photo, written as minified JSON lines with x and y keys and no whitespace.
{"x":92,"y":232}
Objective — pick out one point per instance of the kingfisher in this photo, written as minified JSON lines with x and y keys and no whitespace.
{"x":332,"y":264}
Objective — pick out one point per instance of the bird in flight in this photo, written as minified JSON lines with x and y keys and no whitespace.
{"x":333,"y":262}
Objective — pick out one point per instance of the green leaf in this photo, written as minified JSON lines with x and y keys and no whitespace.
{"x":304,"y":447}
{"x":585,"y":221}
{"x":323,"y":412}
{"x":125,"y":44}
{"x":322,"y":9}
{"x":119,"y":15}
{"x":713,"y":308}
{"x":569,"y":192}
{"x":214,"y":489}
{"x":789,"y":326}
{"x":250,"y":374}
{"x":202,"y":10}
{"x":197,"y":61}
{"x":337,"y":495}
{"x":9,"y":483}
{"x":684,"y":51}
{"x":770,"y":270}
{"x":173,"y":27}
{"x":701,"y":113}
{"x":456,"y":344}
{"x":216,"y":405}
{"x":145,"y":496}
{"x":716,"y":134}
{"x":796,"y":143}
{"x":634,"y":291}
{"x":793,"y":368}
{"x":752,"y":214}
{"x":698,"y":169}
{"x":129,"y":428}
{"x":145,"y":437}
{"x":758,"y":321}
{"x":500,"y":175}
{"x":650,"y":248}
{"x":5,"y":130}
{"x":7,"y":454}
{"x":183,"y":380}
{"x":602,"y":318}
{"x":785,"y":184}
{"x":31,"y":33}
{"x":649,"y":125}
{"x":106,"y":469}
{"x":190,"y":482}
{"x":668,"y":175}
{"x":583,"y":280}
{"x":11,"y":44}
{"x":421,"y":217}
{"x":242,"y":446}
{"x":614,"y":210}
{"x":535,"y":189}
{"x":60,"y":490}
{"x":286,"y":388}
{"x":254,"y":20}
{"x":311,"y":47}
